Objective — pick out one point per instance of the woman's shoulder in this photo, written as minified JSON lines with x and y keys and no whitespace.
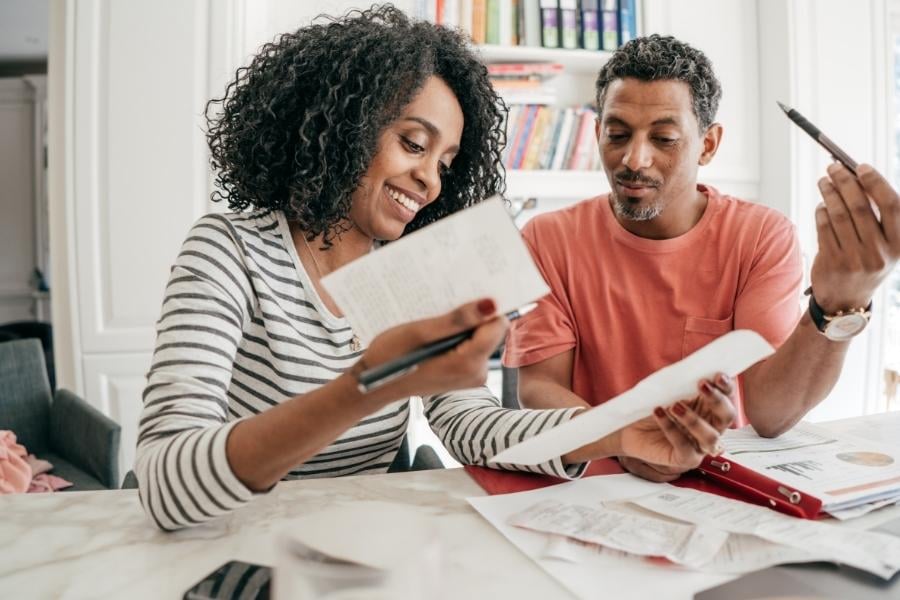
{"x":260,"y":226}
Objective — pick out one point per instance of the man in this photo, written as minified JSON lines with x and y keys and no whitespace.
{"x":661,"y":266}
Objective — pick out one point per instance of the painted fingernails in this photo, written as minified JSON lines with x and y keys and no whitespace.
{"x":659,"y":412}
{"x":679,"y":409}
{"x":486,"y":307}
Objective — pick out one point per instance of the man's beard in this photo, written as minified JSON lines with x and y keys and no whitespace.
{"x":635,"y":212}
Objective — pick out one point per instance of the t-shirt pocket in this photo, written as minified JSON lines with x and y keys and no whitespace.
{"x":698,"y":332}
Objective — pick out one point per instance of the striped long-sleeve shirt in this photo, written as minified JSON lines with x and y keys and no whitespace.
{"x":243,"y":329}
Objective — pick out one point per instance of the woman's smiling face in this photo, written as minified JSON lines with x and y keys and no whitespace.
{"x":405,"y":173}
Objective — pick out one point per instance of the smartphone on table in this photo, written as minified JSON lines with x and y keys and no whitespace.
{"x":235,"y":580}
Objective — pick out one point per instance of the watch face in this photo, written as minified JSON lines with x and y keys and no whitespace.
{"x":844,"y":327}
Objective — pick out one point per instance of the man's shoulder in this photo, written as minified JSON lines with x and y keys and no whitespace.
{"x":744,"y":216}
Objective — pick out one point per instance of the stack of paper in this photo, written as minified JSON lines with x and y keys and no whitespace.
{"x":849,"y":474}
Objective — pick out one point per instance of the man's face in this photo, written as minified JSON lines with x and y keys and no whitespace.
{"x":650,"y":145}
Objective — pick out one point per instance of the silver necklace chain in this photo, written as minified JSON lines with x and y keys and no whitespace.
{"x":355,"y":343}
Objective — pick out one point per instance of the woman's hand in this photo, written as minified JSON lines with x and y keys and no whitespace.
{"x":675,"y":440}
{"x":462,"y":367}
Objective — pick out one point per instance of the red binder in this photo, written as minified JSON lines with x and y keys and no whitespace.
{"x":734,"y":481}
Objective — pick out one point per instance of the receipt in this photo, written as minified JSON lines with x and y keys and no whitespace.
{"x":877,"y":553}
{"x":684,"y":544}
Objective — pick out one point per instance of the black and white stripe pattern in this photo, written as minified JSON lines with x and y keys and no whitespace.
{"x":243,"y":329}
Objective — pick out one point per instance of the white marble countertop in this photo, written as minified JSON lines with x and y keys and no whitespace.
{"x":101,"y":545}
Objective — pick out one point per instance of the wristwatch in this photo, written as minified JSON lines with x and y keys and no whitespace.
{"x":842,"y":325}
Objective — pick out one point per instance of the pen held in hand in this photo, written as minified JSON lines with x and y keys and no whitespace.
{"x":375,"y":377}
{"x":823,"y":140}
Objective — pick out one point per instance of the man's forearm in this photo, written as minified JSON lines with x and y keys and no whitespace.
{"x":781,"y":390}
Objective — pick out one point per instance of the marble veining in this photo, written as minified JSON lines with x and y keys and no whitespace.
{"x":101,"y":545}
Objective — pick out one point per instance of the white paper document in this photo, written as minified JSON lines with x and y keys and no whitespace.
{"x":840,"y":469}
{"x":876,"y":553}
{"x":626,"y":530}
{"x":589,"y":570}
{"x":732,"y":353}
{"x":476,"y":253}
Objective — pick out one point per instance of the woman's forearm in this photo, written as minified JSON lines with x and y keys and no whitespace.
{"x":263,"y":448}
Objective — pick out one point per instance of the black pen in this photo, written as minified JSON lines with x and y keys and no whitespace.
{"x":378,"y":376}
{"x":832,"y":148}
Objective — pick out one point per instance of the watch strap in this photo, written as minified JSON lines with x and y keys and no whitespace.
{"x":820,"y":319}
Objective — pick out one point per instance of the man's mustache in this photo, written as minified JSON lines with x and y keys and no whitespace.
{"x":629,"y":176}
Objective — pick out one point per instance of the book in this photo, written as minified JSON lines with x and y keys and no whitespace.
{"x":550,"y":23}
{"x":492,"y":22}
{"x":627,"y":21}
{"x":568,"y":19}
{"x":530,"y":23}
{"x":590,"y":24}
{"x":479,"y":21}
{"x":542,"y":69}
{"x":609,"y":25}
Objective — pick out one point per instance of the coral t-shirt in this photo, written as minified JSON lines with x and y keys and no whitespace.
{"x":630,"y":305}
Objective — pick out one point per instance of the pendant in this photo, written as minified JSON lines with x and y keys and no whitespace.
{"x":355,"y":344}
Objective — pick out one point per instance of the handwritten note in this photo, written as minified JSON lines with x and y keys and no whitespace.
{"x":476,"y":253}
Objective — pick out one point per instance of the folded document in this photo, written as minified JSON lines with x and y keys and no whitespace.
{"x":732,"y":354}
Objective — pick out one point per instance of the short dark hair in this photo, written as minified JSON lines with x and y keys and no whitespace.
{"x":297,"y":129}
{"x":657,"y":57}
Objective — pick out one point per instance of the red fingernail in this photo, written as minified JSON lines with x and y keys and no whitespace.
{"x":679,"y":409}
{"x":707,"y":387}
{"x":659,"y":412}
{"x":487,"y":307}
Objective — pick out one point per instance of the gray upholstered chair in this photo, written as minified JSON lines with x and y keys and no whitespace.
{"x":80,"y":441}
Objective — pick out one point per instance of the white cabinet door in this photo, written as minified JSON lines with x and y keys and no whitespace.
{"x":114,"y":384}
{"x":140,"y":168}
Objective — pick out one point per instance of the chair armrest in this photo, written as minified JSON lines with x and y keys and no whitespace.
{"x":85,"y":437}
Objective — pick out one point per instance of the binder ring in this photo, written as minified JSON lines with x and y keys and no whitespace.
{"x":723,"y":466}
{"x":793,"y":496}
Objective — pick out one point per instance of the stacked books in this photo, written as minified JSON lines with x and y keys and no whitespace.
{"x":525,"y":83}
{"x":586,"y":24}
{"x":546,"y":137}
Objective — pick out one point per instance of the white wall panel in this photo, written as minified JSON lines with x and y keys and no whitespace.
{"x":140,"y":165}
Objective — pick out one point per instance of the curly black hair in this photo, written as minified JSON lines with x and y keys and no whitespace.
{"x":297,"y":129}
{"x":657,"y":57}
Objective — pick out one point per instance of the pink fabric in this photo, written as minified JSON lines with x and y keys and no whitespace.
{"x":22,"y":472}
{"x":38,"y":466}
{"x":15,"y":473}
{"x":629,"y":306}
{"x":47,"y":483}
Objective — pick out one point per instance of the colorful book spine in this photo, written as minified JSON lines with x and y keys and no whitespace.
{"x":568,"y":18}
{"x":627,"y":21}
{"x":479,"y":21}
{"x":609,"y":25}
{"x":550,"y":23}
{"x":562,"y":145}
{"x":590,"y":24}
{"x":530,"y":19}
{"x":492,"y":19}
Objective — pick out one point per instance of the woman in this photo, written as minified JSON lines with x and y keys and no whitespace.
{"x":338,"y":136}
